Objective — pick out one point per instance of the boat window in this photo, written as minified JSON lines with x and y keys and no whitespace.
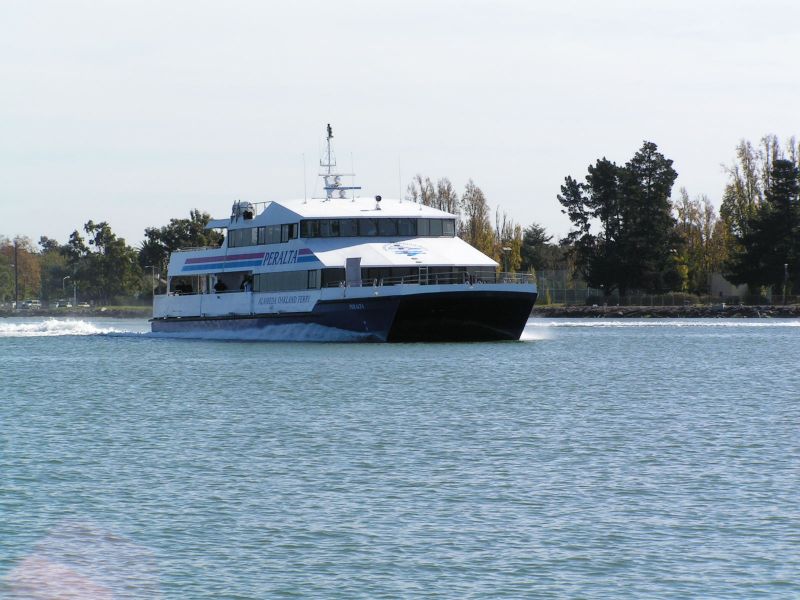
{"x":348,"y":227}
{"x":262,"y":236}
{"x":309,"y":228}
{"x":278,"y":282}
{"x":367,"y":227}
{"x":387,"y":226}
{"x":284,"y":233}
{"x":332,"y":277}
{"x":328,"y":228}
{"x":313,"y":279}
{"x":407,"y":227}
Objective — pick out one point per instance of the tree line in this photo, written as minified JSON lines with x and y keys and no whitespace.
{"x":96,"y":263}
{"x":628,"y":233}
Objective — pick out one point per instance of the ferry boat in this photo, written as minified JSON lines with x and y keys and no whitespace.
{"x":380,"y":269}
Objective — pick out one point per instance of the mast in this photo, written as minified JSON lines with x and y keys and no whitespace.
{"x":333,"y":180}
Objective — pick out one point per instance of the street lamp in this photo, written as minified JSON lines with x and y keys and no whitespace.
{"x":16,"y":277}
{"x":506,"y":250}
{"x":74,"y":290}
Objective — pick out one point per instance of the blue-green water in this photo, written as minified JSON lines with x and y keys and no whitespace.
{"x":594,"y":459}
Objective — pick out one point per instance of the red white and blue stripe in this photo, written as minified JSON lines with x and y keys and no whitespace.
{"x":222,"y":261}
{"x":305,"y":255}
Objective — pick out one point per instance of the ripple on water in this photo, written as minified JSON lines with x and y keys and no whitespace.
{"x":639,"y":460}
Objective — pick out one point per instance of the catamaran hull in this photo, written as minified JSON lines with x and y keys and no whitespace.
{"x":437,"y":317}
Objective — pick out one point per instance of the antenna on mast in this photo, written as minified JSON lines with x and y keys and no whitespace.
{"x":305,"y":185}
{"x":333,"y":181}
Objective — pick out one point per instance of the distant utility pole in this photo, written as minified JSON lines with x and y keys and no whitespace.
{"x":785,"y":280}
{"x":16,"y":277}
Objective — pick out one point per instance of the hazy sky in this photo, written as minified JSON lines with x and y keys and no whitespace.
{"x":135,"y":112}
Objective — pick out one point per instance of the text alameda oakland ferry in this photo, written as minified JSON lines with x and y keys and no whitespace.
{"x":387,"y":270}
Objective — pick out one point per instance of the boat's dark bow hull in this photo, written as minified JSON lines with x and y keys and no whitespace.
{"x":461,"y":317}
{"x":430,"y":317}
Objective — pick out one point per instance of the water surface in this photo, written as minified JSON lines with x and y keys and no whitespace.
{"x":593,"y":459}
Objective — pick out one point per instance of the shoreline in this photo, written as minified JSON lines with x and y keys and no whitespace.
{"x":717,"y":311}
{"x":111,"y":312}
{"x":547,"y":312}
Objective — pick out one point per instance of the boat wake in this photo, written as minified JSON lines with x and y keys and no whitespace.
{"x":535,"y":332}
{"x":55,"y":328}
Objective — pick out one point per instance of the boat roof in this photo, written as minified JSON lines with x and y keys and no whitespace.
{"x":317,"y":253}
{"x":445,"y":251}
{"x":287,"y":211}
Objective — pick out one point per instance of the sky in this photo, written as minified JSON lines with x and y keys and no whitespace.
{"x":136,"y":112}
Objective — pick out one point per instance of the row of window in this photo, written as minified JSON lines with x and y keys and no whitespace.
{"x":390,"y":227}
{"x":259,"y":236}
{"x":316,"y":228}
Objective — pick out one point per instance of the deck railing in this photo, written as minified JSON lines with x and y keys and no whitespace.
{"x":439,"y":279}
{"x":431,"y":279}
{"x":197,"y":249}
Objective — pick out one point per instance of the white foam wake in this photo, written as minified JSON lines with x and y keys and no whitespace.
{"x":535,"y":332}
{"x":53,"y":328}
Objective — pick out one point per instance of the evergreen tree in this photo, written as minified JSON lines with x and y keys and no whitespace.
{"x":635,"y":244}
{"x":769,"y":248}
{"x":537,"y":252}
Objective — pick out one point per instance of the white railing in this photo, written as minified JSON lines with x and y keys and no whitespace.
{"x":439,"y":279}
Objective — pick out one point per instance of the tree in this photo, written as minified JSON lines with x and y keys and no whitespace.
{"x":703,"y":243}
{"x":441,"y":196}
{"x":538,"y":253}
{"x":635,"y":243}
{"x":421,"y":190}
{"x":28,"y":269}
{"x":770,"y":246}
{"x":508,"y":242}
{"x":179,"y":233}
{"x":106,"y":267}
{"x":749,"y":181}
{"x":651,"y":244}
{"x":476,"y":226}
{"x":53,"y":268}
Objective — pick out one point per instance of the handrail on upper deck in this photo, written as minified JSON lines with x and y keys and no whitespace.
{"x":197,"y":249}
{"x":439,"y":279}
